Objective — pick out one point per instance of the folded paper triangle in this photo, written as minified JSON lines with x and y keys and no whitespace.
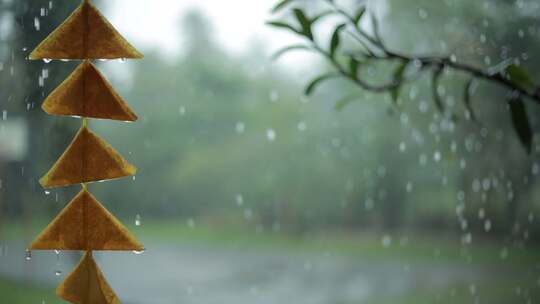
{"x":86,"y":34}
{"x":87,"y":93}
{"x":84,"y":224}
{"x":87,"y":285}
{"x":87,"y":159}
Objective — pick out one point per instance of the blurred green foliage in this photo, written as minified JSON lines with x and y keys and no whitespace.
{"x":229,"y":138}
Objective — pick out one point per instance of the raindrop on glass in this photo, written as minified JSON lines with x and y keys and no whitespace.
{"x":240,"y":127}
{"x":487,"y":225}
{"x":437,"y":156}
{"x":301,"y":126}
{"x":36,"y":23}
{"x":422,"y":13}
{"x":138,"y":251}
{"x":386,"y":241}
{"x":239,"y":199}
{"x":28,"y":255}
{"x":47,"y":60}
{"x":138,"y":220}
{"x":270,"y":134}
{"x":504,"y":253}
{"x":58,"y":272}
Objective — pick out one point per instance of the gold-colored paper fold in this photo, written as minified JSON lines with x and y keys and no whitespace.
{"x":86,"y":34}
{"x":87,"y":93}
{"x":87,"y":159}
{"x":84,"y":224}
{"x":87,"y":285}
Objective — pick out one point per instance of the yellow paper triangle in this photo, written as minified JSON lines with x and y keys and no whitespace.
{"x":87,"y":93}
{"x":86,"y":34}
{"x":87,"y":285}
{"x":84,"y":224}
{"x":87,"y":159}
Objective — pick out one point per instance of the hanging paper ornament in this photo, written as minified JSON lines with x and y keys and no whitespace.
{"x":85,"y":224}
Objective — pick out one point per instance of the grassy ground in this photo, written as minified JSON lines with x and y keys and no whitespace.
{"x":14,"y":292}
{"x":406,"y":246}
{"x":515,"y":277}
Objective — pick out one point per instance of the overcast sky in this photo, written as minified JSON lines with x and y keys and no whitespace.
{"x":157,"y":23}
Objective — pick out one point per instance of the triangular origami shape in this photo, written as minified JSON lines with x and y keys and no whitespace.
{"x":87,"y":285}
{"x":86,"y":34}
{"x":84,"y":224}
{"x":87,"y":93}
{"x":87,"y":159}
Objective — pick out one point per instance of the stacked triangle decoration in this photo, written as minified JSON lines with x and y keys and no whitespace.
{"x":85,"y":224}
{"x":87,"y":159}
{"x":87,"y":285}
{"x":86,"y":34}
{"x":87,"y":93}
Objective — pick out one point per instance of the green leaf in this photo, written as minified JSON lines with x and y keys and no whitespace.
{"x":343,"y":102}
{"x":359,"y":14}
{"x":354,"y":64}
{"x":283,"y":25}
{"x":519,"y":76}
{"x":334,"y":42}
{"x":304,"y":22}
{"x":284,"y":50}
{"x":280,"y":5}
{"x":398,"y":79}
{"x":467,"y":93}
{"x":434,"y":87}
{"x":521,"y":123}
{"x":316,"y":81}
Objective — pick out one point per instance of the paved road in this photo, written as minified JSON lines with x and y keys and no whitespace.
{"x":204,"y":275}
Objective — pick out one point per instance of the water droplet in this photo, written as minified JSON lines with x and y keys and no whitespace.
{"x":239,"y":199}
{"x":240,"y":127}
{"x":271,"y":134}
{"x":58,"y":272}
{"x":28,"y":255}
{"x":47,"y":192}
{"x":248,"y":214}
{"x":504,"y":253}
{"x":138,"y":220}
{"x":57,"y":252}
{"x":138,"y":251}
{"x":36,"y":23}
{"x":437,"y":156}
{"x":134,"y":177}
{"x":274,"y":96}
{"x":386,"y":241}
{"x":487,"y":225}
{"x":422,"y":13}
{"x":409,"y":187}
{"x":47,"y":60}
{"x":302,"y":126}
